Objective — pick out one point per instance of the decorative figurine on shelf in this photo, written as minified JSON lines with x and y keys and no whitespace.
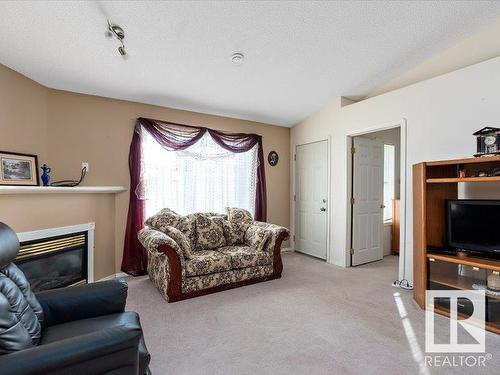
{"x":463,"y":173}
{"x":488,"y":141}
{"x":45,"y":176}
{"x":494,"y":282}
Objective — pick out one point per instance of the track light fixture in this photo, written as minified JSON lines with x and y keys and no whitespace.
{"x":118,"y":33}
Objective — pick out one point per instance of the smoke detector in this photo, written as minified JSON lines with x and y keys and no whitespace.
{"x":237,"y":58}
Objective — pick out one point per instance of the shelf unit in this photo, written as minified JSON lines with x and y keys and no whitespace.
{"x":434,"y":183}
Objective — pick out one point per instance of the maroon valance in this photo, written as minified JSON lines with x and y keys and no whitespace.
{"x":173,"y":137}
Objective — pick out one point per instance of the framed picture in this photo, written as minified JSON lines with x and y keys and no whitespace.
{"x":18,"y":169}
{"x":273,"y":158}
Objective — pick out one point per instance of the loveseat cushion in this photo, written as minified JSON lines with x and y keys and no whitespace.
{"x":245,"y":256}
{"x":209,"y":232}
{"x":169,"y":218}
{"x":205,"y":262}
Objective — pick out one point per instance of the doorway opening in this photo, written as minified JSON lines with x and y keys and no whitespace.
{"x":375,"y":187}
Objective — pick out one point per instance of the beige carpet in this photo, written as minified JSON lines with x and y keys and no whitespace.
{"x":316,"y":319}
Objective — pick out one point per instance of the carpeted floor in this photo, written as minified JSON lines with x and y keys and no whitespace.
{"x":317,"y":319}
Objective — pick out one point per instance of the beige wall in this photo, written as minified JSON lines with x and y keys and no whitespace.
{"x":98,"y":130}
{"x":23,"y":114}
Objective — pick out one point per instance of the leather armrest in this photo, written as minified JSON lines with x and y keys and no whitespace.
{"x":114,"y":348}
{"x":83,"y":302}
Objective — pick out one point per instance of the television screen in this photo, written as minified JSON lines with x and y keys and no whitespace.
{"x":473,"y":225}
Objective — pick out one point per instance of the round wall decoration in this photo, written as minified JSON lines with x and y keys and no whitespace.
{"x":273,"y":158}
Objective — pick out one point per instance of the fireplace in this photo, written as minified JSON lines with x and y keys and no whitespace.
{"x":56,"y":258}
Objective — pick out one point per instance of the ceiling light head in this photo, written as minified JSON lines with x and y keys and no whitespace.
{"x":115,"y":31}
{"x":237,"y":58}
{"x":118,"y":31}
{"x":122,"y":51}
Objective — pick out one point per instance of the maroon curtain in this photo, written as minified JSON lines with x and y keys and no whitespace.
{"x":172,"y":136}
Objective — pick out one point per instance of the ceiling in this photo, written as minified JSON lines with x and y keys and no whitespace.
{"x":298,"y":55}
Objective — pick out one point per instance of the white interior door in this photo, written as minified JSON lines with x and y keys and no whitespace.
{"x":311,"y":184}
{"x":367,"y":205}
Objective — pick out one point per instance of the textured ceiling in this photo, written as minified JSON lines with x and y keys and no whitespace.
{"x":298,"y":55}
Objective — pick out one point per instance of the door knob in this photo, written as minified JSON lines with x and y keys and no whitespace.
{"x":322,"y":209}
{"x":382,"y":206}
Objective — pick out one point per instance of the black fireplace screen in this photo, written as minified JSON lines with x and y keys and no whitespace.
{"x":54,"y":262}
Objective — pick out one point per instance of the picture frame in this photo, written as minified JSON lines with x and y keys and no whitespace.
{"x":273,"y":158}
{"x":18,"y":169}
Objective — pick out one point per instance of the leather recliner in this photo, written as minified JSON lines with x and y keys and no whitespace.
{"x":77,"y":330}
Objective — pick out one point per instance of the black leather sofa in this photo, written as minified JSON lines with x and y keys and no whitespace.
{"x":78,"y":330}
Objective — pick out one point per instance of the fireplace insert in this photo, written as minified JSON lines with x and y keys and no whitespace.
{"x":54,"y":262}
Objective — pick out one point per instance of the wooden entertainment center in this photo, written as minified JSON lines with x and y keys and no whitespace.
{"x":434,"y":183}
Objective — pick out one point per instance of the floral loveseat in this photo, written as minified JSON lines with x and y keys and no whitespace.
{"x":203,"y":253}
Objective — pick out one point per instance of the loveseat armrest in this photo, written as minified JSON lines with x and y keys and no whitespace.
{"x":166,"y":263}
{"x":277,"y":234}
{"x":83,"y":302}
{"x":111,"y":350}
{"x":155,"y":240}
{"x":277,"y":230}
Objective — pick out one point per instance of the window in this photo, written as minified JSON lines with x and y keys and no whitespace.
{"x":389,"y":169}
{"x":202,"y":178}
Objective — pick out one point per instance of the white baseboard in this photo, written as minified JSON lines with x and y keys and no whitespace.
{"x":287,"y":250}
{"x":114,"y":276}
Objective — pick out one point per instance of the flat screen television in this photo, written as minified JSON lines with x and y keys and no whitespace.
{"x":473,"y":225}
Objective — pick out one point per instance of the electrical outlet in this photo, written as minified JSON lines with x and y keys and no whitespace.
{"x":85,"y":165}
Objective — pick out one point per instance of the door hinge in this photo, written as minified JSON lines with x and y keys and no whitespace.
{"x":295,"y":157}
{"x":294,"y":198}
{"x":353,"y":150}
{"x":353,"y":201}
{"x":351,"y":251}
{"x":294,"y":238}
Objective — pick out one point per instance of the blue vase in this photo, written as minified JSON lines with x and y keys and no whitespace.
{"x":45,"y":175}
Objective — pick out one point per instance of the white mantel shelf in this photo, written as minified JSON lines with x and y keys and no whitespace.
{"x":4,"y":190}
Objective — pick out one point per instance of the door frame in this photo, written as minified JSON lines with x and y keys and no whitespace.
{"x":402,"y":189}
{"x":328,"y":192}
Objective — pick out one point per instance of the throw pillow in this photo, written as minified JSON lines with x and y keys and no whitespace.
{"x":238,"y":222}
{"x":165,"y":218}
{"x":234,"y":233}
{"x":169,"y":218}
{"x":181,"y":239}
{"x":209,"y":232}
{"x":239,"y":215}
{"x":256,"y":237}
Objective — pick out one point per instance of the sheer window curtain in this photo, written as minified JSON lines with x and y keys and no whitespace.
{"x":202,"y":178}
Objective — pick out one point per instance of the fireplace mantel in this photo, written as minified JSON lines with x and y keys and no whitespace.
{"x":61,"y":190}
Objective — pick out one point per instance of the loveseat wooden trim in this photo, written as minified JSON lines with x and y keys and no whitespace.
{"x":174,"y":288}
